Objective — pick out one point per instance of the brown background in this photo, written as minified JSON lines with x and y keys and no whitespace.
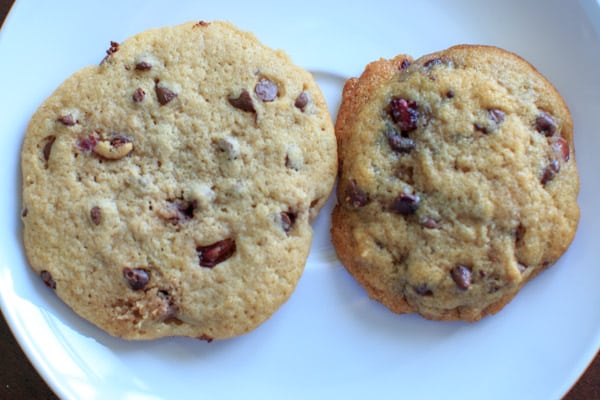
{"x":19,"y":380}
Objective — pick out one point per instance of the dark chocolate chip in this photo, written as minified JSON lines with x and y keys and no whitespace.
{"x":164,"y":94}
{"x":301,"y":101}
{"x":138,"y":95}
{"x":25,"y":212}
{"x":96,"y":215}
{"x":480,"y":128}
{"x":496,"y":115}
{"x":137,"y":278}
{"x":202,"y":24}
{"x":433,"y":62}
{"x":550,"y":171}
{"x":87,"y":143}
{"x":243,"y":102}
{"x":67,"y":120}
{"x":288,"y":220}
{"x":215,"y":253}
{"x":545,"y":124}
{"x":143,"y":66}
{"x":461,"y":275}
{"x":47,"y":149}
{"x":206,"y":338}
{"x":423,"y":290}
{"x":114,"y":47}
{"x":450,"y":94}
{"x":561,"y":148}
{"x":399,"y":143}
{"x":266,"y":90}
{"x":355,"y":196}
{"x":404,"y":113}
{"x":48,"y":279}
{"x":405,"y":204}
{"x":404,"y":64}
{"x":520,"y":233}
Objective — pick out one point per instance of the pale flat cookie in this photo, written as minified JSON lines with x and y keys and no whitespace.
{"x":170,"y":190}
{"x":458,"y":181}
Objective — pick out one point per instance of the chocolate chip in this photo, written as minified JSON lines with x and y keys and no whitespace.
{"x":496,"y":115}
{"x":550,"y":171}
{"x":206,"y":338}
{"x":399,"y":143}
{"x":114,"y":47}
{"x":404,"y":64}
{"x":301,"y":101}
{"x":461,"y":276}
{"x":355,"y":196}
{"x":48,"y":279}
{"x":405,"y":204}
{"x":96,"y":215}
{"x":520,"y":233}
{"x":521,"y":267}
{"x":423,"y":290}
{"x":433,"y":62}
{"x":545,"y":124}
{"x":138,"y":95}
{"x":47,"y":149}
{"x":67,"y":120}
{"x":480,"y":128}
{"x":561,"y":148}
{"x":450,"y":94}
{"x":203,"y":24}
{"x":215,"y":253}
{"x":168,"y":310}
{"x":143,"y":66}
{"x":429,"y":223}
{"x":243,"y":102}
{"x":288,"y":220}
{"x":137,"y":278}
{"x":87,"y":143}
{"x":404,"y":113}
{"x":25,"y":212}
{"x":164,"y":94}
{"x":266,"y":90}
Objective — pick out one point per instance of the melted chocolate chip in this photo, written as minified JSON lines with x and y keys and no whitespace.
{"x":355,"y":196}
{"x":545,"y":124}
{"x":215,"y":253}
{"x":137,"y":278}
{"x":405,"y":204}
{"x":301,"y":101}
{"x":404,"y":113}
{"x":48,"y":279}
{"x":47,"y":149}
{"x":461,"y":275}
{"x":423,"y":290}
{"x":143,"y":66}
{"x":404,"y":64}
{"x":96,"y":215}
{"x":164,"y":94}
{"x":67,"y":120}
{"x":138,"y":95}
{"x":266,"y":90}
{"x":551,"y":170}
{"x":288,"y":220}
{"x":399,"y":143}
{"x":87,"y":143}
{"x":243,"y":102}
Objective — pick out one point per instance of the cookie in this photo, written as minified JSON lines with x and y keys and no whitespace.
{"x":170,"y":189}
{"x":457,"y":181}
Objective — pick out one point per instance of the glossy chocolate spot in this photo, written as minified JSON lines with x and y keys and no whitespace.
{"x":399,"y":143}
{"x":266,"y":90}
{"x":301,"y":101}
{"x":47,"y":149}
{"x":215,"y":253}
{"x":67,"y":120}
{"x":461,"y":275}
{"x":288,"y":220}
{"x":404,"y":113}
{"x":143,"y":66}
{"x":497,"y":116}
{"x":137,"y":278}
{"x":545,"y":124}
{"x":550,"y":172}
{"x":561,"y":148}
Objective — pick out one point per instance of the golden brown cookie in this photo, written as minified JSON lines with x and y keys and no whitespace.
{"x":457,"y":180}
{"x":170,"y":190}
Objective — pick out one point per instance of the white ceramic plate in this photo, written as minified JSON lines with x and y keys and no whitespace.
{"x":329,"y":340}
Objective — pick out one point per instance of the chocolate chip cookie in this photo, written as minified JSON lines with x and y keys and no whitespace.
{"x":457,"y":181}
{"x":170,"y":189}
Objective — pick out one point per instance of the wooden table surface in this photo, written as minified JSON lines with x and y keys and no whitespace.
{"x":19,"y":380}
